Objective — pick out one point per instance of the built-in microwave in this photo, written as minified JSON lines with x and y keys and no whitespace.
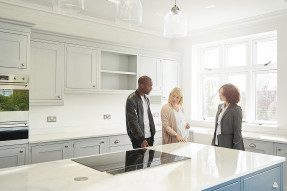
{"x":14,"y":107}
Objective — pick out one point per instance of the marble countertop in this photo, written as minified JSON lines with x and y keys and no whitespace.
{"x":78,"y":133}
{"x":247,"y":135}
{"x":208,"y":166}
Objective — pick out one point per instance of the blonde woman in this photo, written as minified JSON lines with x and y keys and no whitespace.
{"x":174,"y":126}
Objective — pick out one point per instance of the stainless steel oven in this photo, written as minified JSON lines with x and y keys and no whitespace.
{"x":14,"y":108}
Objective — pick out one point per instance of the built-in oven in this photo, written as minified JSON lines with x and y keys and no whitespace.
{"x":14,"y":108}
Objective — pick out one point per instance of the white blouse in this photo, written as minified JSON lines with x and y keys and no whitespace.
{"x":218,"y":129}
{"x":180,"y":121}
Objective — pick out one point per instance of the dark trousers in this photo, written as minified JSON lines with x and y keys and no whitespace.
{"x":137,"y":145}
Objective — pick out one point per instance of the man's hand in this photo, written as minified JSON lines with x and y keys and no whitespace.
{"x":144,"y":144}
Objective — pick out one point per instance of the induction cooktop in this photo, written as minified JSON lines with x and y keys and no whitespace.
{"x":125,"y":161}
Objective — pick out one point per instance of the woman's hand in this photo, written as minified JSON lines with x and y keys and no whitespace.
{"x":179,"y":138}
{"x":187,"y":126}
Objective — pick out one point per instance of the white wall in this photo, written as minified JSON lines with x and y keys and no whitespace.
{"x":84,"y":111}
{"x":233,"y":30}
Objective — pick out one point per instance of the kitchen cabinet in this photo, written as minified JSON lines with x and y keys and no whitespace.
{"x":87,"y":147}
{"x":14,"y":50}
{"x":170,"y":77}
{"x":258,"y":146}
{"x":119,"y":143}
{"x":152,"y":67}
{"x":281,"y":150}
{"x":45,"y":152}
{"x":118,"y":71}
{"x":13,"y":155}
{"x":47,"y":69}
{"x":267,"y":180}
{"x":81,"y":69}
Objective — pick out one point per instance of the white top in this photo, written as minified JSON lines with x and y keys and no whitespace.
{"x":206,"y":167}
{"x":145,"y":118}
{"x":218,"y":129}
{"x":180,"y":122}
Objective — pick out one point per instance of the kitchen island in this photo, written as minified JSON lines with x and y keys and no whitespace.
{"x":209,"y":168}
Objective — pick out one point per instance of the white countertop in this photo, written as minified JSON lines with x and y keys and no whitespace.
{"x":208,"y":166}
{"x":247,"y":135}
{"x":78,"y":133}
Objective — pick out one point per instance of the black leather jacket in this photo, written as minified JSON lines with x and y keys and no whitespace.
{"x":134,"y":118}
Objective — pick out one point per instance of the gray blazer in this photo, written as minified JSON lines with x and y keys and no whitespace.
{"x":231,"y":122}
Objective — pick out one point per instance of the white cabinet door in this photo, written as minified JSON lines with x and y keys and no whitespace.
{"x":13,"y":50}
{"x":47,"y":71}
{"x":258,"y":146}
{"x":88,"y":147}
{"x":12,"y":156}
{"x":119,"y":143}
{"x":152,"y":67}
{"x":50,"y":151}
{"x":81,"y":68}
{"x":170,"y":77}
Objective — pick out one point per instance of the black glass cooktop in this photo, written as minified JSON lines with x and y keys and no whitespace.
{"x":121,"y":162}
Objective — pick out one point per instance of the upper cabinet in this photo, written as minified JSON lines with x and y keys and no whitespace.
{"x":47,"y":69}
{"x":118,"y":71}
{"x":81,"y":68}
{"x":13,"y":50}
{"x":15,"y":45}
{"x":170,"y":76}
{"x":152,"y":67}
{"x":163,"y":72}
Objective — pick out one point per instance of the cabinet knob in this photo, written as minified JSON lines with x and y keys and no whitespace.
{"x":117,"y":141}
{"x":275,"y":185}
{"x":22,"y":64}
{"x":102,"y":142}
{"x":20,"y":151}
{"x":252,"y":145}
{"x":66,"y":146}
{"x":94,"y":86}
{"x":279,"y":149}
{"x":59,"y":96}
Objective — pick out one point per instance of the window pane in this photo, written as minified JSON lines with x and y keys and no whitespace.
{"x":239,"y":80}
{"x":266,"y":51}
{"x":211,"y":58}
{"x":210,"y":96}
{"x":236,"y":55}
{"x":266,"y":97}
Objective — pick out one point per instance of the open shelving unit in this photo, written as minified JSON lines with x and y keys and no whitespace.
{"x":118,"y":71}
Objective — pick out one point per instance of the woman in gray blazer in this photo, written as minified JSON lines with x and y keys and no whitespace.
{"x":228,"y":119}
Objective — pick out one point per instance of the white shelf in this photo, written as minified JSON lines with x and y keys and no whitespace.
{"x":118,"y":72}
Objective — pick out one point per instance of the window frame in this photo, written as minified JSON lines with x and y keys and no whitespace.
{"x":223,"y":71}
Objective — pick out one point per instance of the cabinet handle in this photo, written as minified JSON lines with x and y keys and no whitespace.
{"x":252,"y":145}
{"x":20,"y":151}
{"x":275,"y":185}
{"x":102,"y":142}
{"x":59,"y":96}
{"x":66,"y":146}
{"x":279,"y":149}
{"x":117,"y":141}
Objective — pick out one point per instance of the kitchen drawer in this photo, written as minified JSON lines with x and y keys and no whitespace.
{"x":268,"y":180}
{"x":119,"y":140}
{"x":258,"y":146}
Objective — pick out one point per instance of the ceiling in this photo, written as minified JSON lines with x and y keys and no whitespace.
{"x":200,"y":13}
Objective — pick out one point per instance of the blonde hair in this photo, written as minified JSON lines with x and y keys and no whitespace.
{"x":176,"y":91}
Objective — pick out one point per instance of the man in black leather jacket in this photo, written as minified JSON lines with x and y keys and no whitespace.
{"x":139,"y":120}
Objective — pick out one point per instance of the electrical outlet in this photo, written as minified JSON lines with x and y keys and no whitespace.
{"x":51,"y":119}
{"x":107,"y":116}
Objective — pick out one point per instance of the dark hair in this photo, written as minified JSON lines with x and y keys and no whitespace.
{"x":143,"y":80}
{"x":231,"y":93}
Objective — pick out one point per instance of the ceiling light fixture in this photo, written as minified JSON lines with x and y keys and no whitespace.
{"x":175,"y":24}
{"x":68,"y":6}
{"x":129,"y":11}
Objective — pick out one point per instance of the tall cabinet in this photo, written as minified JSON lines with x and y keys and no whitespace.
{"x":47,"y":69}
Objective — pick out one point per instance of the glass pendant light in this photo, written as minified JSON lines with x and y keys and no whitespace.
{"x":175,"y":24}
{"x":69,"y":6}
{"x":129,"y":11}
